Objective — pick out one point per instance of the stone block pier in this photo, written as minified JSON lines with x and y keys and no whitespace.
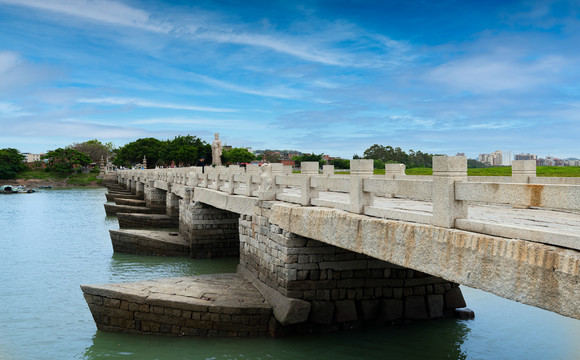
{"x":323,"y":252}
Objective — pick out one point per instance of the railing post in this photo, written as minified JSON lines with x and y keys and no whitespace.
{"x":359,"y":169}
{"x":393,"y":172}
{"x":251,"y":170}
{"x":327,"y":170}
{"x":447,"y":170}
{"x":523,"y":170}
{"x":307,"y":193}
{"x":309,"y":168}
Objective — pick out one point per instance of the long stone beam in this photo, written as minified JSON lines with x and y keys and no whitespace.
{"x":535,"y":274}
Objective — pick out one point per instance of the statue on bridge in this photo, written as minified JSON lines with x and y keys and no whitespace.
{"x":216,"y":151}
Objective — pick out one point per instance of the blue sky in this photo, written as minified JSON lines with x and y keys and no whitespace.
{"x":331,"y":77}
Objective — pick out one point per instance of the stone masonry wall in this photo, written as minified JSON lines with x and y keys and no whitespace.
{"x":343,"y":287}
{"x":211,"y":232}
{"x":156,"y":199}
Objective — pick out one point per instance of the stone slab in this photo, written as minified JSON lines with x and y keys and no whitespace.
{"x":206,"y":305}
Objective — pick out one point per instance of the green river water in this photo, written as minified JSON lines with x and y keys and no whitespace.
{"x":53,"y":241}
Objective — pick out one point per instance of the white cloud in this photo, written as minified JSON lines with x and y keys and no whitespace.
{"x":8,"y":60}
{"x":150,"y":104}
{"x":318,"y":45}
{"x":281,"y":92}
{"x":9,"y":110}
{"x":496,"y":72}
{"x":97,"y":10}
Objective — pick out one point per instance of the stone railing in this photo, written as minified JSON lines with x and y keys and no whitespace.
{"x":449,"y":190}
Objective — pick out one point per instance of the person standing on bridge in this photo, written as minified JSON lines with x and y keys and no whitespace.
{"x":201,"y":163}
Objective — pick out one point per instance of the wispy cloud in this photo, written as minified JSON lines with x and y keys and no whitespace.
{"x":150,"y":104}
{"x":323,"y":45}
{"x":8,"y":110}
{"x":8,"y":60}
{"x":281,"y":92}
{"x":497,"y":73}
{"x":105,"y":11}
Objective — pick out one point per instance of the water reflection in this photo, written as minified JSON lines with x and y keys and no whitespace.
{"x":435,"y":340}
{"x":128,"y":267}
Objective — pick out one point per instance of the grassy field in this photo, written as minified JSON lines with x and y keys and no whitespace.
{"x":548,"y":171}
{"x":72,"y":179}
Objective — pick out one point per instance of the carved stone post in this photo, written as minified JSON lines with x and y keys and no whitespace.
{"x":447,"y":170}
{"x":309,"y":167}
{"x":523,"y":170}
{"x":359,"y":169}
{"x":394,"y":171}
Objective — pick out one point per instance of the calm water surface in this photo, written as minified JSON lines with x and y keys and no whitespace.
{"x":53,"y":241}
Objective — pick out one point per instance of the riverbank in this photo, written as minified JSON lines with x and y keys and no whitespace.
{"x":54,"y":183}
{"x":40,"y":178}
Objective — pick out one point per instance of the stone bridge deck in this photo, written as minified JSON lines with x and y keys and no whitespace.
{"x":554,"y":227}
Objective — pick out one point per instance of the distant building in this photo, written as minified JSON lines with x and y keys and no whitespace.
{"x":493,"y":159}
{"x":526,"y":157}
{"x":30,"y":158}
{"x":507,"y":158}
{"x":460,"y":154}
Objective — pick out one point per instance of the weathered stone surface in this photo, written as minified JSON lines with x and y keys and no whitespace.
{"x":322,"y":312}
{"x":142,"y":221}
{"x":287,"y":311}
{"x":454,"y":299}
{"x":392,"y":309}
{"x":416,"y":308}
{"x":435,"y":305}
{"x":222,"y":302}
{"x":511,"y":268}
{"x":345,"y":311}
{"x":149,"y":242}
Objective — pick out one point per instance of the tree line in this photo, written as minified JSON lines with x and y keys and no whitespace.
{"x":186,"y":151}
{"x":181,"y":151}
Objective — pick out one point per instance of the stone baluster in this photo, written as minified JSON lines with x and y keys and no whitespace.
{"x":447,"y":170}
{"x":307,"y":193}
{"x":359,"y":169}
{"x":394,"y":172}
{"x":278,"y":169}
{"x":327,"y":170}
{"x":309,"y":168}
{"x":523,"y":171}
{"x":232,"y":182}
{"x":204,"y":179}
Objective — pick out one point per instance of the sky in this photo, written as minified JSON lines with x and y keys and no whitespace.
{"x":332,"y":77}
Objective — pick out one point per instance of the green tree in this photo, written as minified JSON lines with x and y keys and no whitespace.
{"x":66,"y":161}
{"x":94,"y":149}
{"x":474,"y":164}
{"x":182,"y":150}
{"x":134,"y":152}
{"x":237,"y":155}
{"x":11,"y":163}
{"x":309,"y":157}
{"x":388,"y":154}
{"x":340,"y":163}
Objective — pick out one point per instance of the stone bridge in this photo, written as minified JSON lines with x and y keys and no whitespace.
{"x":319,"y":252}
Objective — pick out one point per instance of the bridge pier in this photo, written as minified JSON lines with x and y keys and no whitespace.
{"x":211,"y":232}
{"x":140,"y":190}
{"x":155,"y":198}
{"x":344,"y":289}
